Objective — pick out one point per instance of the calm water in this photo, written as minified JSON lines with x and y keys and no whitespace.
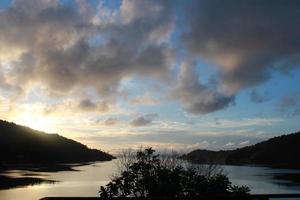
{"x":88,"y":178}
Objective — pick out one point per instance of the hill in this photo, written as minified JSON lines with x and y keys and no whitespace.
{"x":282,"y":150}
{"x":20,"y":144}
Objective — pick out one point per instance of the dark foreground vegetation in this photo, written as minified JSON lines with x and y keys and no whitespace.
{"x":149,"y":175}
{"x":282,"y":151}
{"x":246,"y":197}
{"x":20,"y":145}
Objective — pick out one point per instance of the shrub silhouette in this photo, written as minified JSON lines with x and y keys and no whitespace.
{"x":150,"y":176}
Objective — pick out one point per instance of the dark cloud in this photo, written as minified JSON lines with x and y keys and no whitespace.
{"x":196,"y":97}
{"x":110,"y":121}
{"x":290,"y":104}
{"x":90,"y":106}
{"x":246,"y":39}
{"x":144,"y":120}
{"x":256,"y":97}
{"x":87,"y":104}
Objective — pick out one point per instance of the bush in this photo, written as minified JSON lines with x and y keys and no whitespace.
{"x":148,"y":175}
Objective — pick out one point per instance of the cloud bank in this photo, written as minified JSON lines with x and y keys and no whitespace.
{"x":60,"y":49}
{"x":245,"y":40}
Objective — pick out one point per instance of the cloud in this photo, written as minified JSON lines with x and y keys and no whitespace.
{"x":98,"y":47}
{"x":196,"y":97}
{"x":244,"y":143}
{"x":87,"y":49}
{"x":83,"y":106}
{"x":5,"y":85}
{"x":229,"y":144}
{"x":246,"y":40}
{"x":144,"y":120}
{"x":198,"y":145}
{"x":110,"y":121}
{"x":244,"y":122}
{"x":87,"y":104}
{"x":289,"y":104}
{"x":256,"y":97}
{"x":146,"y":99}
{"x":90,"y":106}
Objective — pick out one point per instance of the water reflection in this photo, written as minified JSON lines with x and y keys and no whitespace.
{"x":85,"y":181}
{"x":262,"y":180}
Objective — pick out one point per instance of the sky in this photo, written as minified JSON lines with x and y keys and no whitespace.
{"x":179,"y":75}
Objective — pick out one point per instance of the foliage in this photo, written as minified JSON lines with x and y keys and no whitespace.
{"x":148,"y":175}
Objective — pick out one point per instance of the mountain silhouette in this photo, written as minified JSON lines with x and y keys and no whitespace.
{"x":20,"y":144}
{"x":282,"y":150}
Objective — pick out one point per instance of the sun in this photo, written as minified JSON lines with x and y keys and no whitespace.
{"x":40,"y":123}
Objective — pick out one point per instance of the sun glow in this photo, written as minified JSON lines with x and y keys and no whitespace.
{"x":36,"y":122}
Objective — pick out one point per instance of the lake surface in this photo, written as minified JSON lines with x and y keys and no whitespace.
{"x":87,"y":179}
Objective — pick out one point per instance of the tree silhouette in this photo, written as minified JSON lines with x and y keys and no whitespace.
{"x":150,"y":176}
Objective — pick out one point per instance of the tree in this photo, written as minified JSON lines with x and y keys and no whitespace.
{"x":149,"y":175}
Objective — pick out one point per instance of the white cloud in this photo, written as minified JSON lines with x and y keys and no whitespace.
{"x":229,"y":144}
{"x":244,"y":143}
{"x":199,"y":145}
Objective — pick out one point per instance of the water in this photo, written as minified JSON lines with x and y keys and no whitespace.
{"x":87,"y":180}
{"x":260,"y":179}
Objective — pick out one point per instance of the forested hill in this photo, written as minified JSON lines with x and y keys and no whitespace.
{"x":20,"y":144}
{"x":281,"y":150}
